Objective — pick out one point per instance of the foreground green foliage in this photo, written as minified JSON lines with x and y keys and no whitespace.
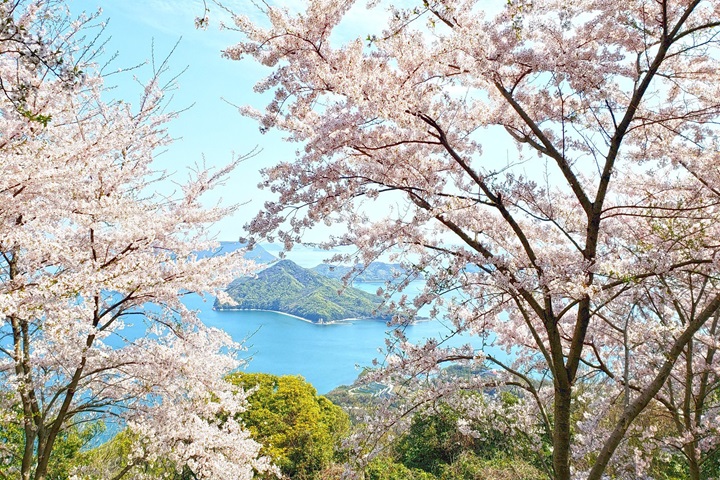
{"x":66,"y":451}
{"x":435,"y":445}
{"x":299,"y":430}
{"x":302,"y":433}
{"x":385,"y":468}
{"x":119,"y":458}
{"x":467,"y":466}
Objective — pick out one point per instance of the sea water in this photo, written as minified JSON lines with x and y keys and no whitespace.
{"x":326,"y":355}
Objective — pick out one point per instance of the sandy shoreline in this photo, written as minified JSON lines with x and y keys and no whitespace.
{"x":333,"y":322}
{"x":307,"y":320}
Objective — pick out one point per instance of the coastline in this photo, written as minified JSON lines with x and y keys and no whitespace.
{"x":347,"y":321}
{"x":307,"y":320}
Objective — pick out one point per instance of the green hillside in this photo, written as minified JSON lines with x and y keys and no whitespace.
{"x":286,"y":287}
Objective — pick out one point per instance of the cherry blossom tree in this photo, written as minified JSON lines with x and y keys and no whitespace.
{"x":688,"y":401}
{"x":577,"y":252}
{"x":90,"y":246}
{"x":691,"y":399}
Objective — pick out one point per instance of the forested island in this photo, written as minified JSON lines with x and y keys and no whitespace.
{"x":289,"y":288}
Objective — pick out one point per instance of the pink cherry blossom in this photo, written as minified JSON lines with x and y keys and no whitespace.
{"x":91,"y":245}
{"x":587,"y":248}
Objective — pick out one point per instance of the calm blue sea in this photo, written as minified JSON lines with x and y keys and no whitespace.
{"x":325,"y":355}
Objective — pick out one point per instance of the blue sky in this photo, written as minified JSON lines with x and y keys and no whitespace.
{"x":210,"y":89}
{"x":211,"y":127}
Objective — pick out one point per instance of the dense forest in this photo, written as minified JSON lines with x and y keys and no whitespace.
{"x":288,"y":288}
{"x":306,"y":436}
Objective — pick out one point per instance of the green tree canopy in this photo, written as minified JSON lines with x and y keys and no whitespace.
{"x":299,"y":429}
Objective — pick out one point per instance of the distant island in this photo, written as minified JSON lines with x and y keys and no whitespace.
{"x":288,"y":288}
{"x":374,"y":272}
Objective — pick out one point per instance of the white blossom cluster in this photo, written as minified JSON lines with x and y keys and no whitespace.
{"x":550,"y":167}
{"x":88,"y":247}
